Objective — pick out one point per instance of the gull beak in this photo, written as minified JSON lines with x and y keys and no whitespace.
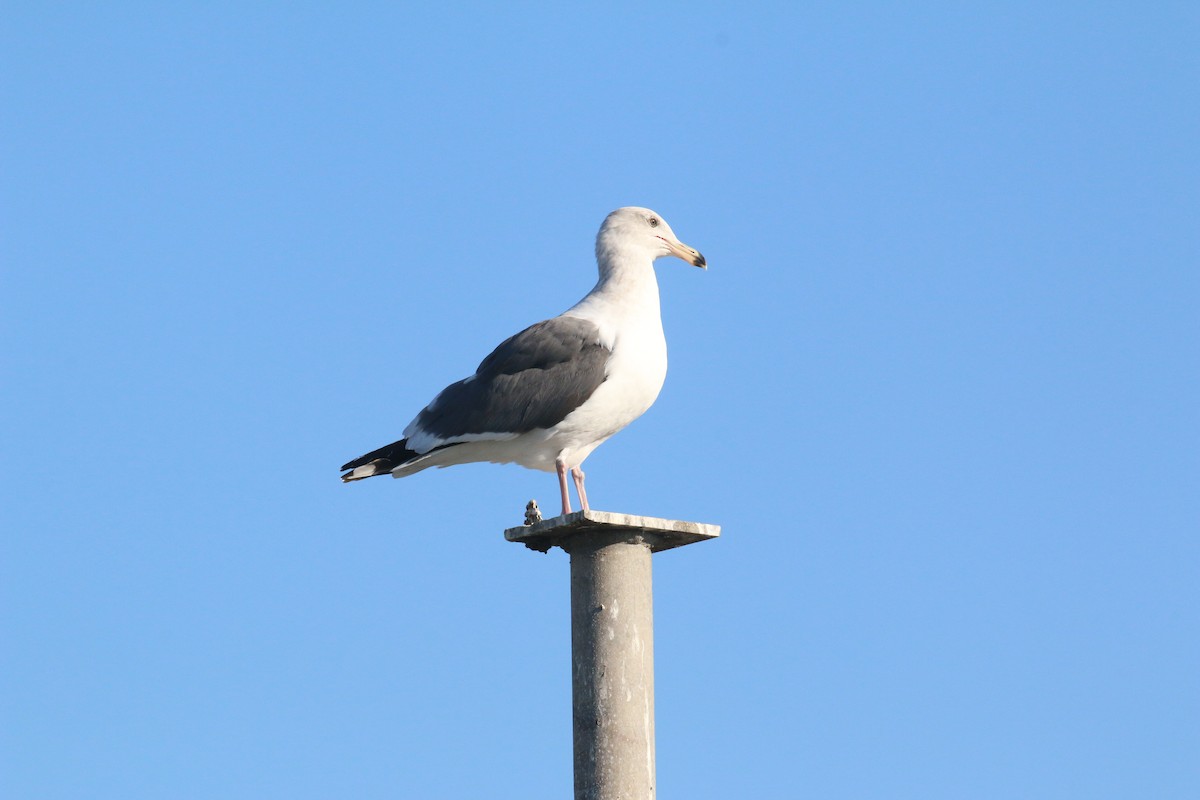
{"x":681,"y":250}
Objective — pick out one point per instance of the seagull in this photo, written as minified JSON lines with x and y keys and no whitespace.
{"x":550,"y":395}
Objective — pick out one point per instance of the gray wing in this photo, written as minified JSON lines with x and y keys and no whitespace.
{"x":532,"y":380}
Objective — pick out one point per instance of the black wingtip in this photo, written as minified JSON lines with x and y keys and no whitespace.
{"x":378,"y":466}
{"x":382,"y":461}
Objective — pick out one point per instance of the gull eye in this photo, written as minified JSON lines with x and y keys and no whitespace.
{"x":654,"y":222}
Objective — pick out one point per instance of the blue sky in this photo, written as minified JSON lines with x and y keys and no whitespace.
{"x":939,"y":387}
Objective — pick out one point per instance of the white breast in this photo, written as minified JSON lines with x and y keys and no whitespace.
{"x":632,"y":328}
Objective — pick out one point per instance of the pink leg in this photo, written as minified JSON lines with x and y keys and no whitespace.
{"x":577,"y":474}
{"x":560,"y":467}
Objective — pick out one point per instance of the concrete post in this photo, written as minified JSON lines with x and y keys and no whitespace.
{"x":612,"y":641}
{"x":612,"y":666}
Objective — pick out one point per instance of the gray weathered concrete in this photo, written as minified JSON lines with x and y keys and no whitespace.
{"x":612,"y":641}
{"x":660,"y":534}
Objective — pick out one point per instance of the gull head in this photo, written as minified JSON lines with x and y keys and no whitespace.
{"x":641,"y":233}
